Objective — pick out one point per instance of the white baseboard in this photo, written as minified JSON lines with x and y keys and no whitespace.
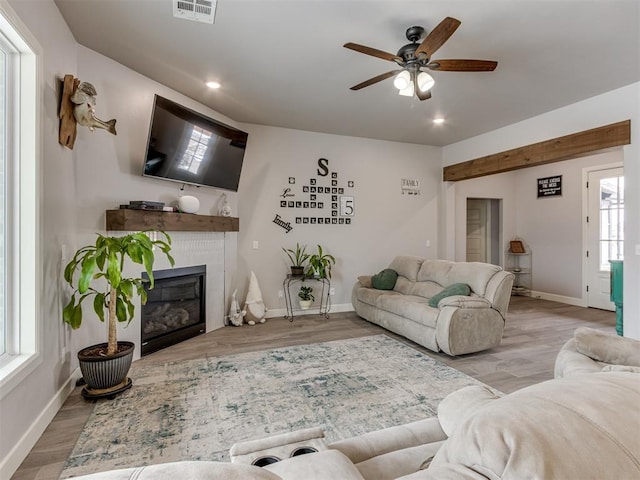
{"x":23,"y":446}
{"x":281,"y":312}
{"x":578,"y":302}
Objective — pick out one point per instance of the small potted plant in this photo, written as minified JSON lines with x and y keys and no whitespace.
{"x":298,"y":257}
{"x":306,"y":297}
{"x":105,"y":366}
{"x":320,"y":264}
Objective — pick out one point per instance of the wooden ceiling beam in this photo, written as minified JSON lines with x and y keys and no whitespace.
{"x":548,"y":151}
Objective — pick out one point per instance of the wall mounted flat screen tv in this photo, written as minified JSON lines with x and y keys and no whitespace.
{"x":187,"y":147}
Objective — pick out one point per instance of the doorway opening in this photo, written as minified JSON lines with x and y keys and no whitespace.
{"x":484,"y":230}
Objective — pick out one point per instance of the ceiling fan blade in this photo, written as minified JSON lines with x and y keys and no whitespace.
{"x":419,"y":93}
{"x":377,"y":79}
{"x":463,"y":65}
{"x":438,"y":36}
{"x":373,"y":52}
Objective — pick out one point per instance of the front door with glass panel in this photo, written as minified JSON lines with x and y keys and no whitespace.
{"x":605,"y":231}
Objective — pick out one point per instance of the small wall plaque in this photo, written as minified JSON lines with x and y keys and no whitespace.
{"x":550,"y":186}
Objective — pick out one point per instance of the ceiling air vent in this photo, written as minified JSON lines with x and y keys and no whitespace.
{"x":195,"y":10}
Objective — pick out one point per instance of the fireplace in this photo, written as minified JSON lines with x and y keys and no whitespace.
{"x":175,"y":308}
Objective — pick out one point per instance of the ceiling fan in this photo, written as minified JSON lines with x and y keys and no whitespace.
{"x":414,"y":57}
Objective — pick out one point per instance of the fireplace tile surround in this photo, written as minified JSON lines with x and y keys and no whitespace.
{"x":216,"y":251}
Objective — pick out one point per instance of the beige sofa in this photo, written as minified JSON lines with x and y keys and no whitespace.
{"x":579,"y":427}
{"x":459,"y":324}
{"x":592,"y":351}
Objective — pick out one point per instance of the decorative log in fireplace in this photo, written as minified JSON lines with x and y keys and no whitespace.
{"x":175,"y":308}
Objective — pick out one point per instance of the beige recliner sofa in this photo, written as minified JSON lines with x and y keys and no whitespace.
{"x":459,"y":324}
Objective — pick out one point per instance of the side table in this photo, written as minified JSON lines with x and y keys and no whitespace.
{"x":325,"y":301}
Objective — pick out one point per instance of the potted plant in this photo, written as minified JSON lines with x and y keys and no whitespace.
{"x":105,"y":366}
{"x":306,"y":297}
{"x":298,"y":257}
{"x":320,"y":264}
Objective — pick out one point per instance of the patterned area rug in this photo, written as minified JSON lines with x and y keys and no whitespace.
{"x":197,"y":409}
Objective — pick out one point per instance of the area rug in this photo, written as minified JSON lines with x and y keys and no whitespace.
{"x":197,"y":409}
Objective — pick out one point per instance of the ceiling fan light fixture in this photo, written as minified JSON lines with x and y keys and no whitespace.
{"x":425,"y":81}
{"x":402,"y":80}
{"x":407,"y":92}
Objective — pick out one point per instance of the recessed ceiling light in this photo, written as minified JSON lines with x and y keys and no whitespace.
{"x":438,"y":120}
{"x":213,"y":85}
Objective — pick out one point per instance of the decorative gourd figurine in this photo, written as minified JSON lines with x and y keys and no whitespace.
{"x":225,"y":211}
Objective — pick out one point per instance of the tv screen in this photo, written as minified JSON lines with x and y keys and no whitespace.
{"x":187,"y":147}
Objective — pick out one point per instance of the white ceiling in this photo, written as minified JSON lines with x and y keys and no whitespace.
{"x":282,"y":63}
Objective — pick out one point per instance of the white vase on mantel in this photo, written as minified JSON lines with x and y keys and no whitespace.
{"x":188,"y":204}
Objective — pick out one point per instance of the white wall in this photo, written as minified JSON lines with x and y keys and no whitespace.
{"x":611,"y":107}
{"x":78,"y":185}
{"x":28,"y":408}
{"x":386,"y":223}
{"x":552,"y":226}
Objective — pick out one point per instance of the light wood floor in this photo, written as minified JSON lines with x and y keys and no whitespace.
{"x":535,"y":331}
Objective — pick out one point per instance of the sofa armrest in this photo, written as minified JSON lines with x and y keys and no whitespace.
{"x":607,"y":347}
{"x":463,"y":301}
{"x":569,"y":361}
{"x":380,"y":442}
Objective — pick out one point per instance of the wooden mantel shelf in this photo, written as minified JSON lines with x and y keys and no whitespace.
{"x":135,"y":220}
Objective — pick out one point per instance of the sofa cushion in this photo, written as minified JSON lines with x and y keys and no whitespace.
{"x":450,"y":291}
{"x":461,"y":404}
{"x":404,"y":286}
{"x":365,"y":281}
{"x":425,"y":289}
{"x":584,"y":426}
{"x":444,"y":272}
{"x":607,"y":348}
{"x":385,"y":280}
{"x":411,"y":307}
{"x":326,"y":465}
{"x":435,"y":271}
{"x":407,"y":266}
{"x":475,"y":274}
{"x":370,"y":295}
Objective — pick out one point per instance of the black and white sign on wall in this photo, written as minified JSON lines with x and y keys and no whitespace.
{"x":550,"y":186}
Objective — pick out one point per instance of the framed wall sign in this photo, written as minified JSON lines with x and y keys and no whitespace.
{"x":550,"y":186}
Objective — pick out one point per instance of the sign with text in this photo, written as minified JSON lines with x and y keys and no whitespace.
{"x":550,"y":186}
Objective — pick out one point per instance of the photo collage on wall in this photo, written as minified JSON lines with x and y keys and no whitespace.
{"x":323,"y":200}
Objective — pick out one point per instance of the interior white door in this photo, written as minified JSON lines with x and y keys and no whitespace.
{"x":476,"y":230}
{"x":605,"y":230}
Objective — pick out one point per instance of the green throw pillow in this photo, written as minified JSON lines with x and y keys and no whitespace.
{"x":453,"y":289}
{"x":385,"y":280}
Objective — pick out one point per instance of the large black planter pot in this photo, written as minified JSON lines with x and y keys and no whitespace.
{"x":106,"y":376}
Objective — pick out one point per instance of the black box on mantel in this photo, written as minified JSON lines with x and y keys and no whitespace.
{"x":144,"y":205}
